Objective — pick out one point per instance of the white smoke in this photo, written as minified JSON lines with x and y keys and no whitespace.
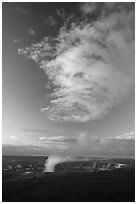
{"x":52,"y":161}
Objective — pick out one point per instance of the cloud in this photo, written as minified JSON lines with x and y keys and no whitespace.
{"x":90,"y":62}
{"x":17,"y":41}
{"x":64,"y":139}
{"x":13,"y":137}
{"x":58,"y":143}
{"x":14,"y":140}
{"x":91,"y":144}
{"x":88,"y":7}
{"x":55,"y":143}
{"x":31,"y":31}
{"x":23,"y":150}
{"x":74,"y":144}
{"x":49,"y":143}
{"x":42,"y":138}
{"x":51,"y":21}
{"x":22,"y":10}
{"x":85,"y":141}
{"x":124,"y":136}
{"x":32,"y":130}
{"x":45,"y":132}
{"x":61,"y":13}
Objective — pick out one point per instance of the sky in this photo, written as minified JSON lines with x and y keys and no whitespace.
{"x":68,"y":79}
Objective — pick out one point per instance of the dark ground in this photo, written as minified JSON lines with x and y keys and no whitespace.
{"x":117,"y":185}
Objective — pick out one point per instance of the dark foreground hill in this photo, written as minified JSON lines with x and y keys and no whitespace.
{"x":113,"y":186}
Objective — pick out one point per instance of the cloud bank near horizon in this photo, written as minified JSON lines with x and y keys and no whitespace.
{"x":90,"y":63}
{"x":84,"y":143}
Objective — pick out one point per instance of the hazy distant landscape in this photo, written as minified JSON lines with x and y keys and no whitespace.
{"x":24,"y":180}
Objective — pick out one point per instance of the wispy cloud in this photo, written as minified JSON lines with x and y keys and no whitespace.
{"x":22,"y":10}
{"x":50,"y":20}
{"x":65,"y":139}
{"x":90,"y":62}
{"x":119,"y":145}
{"x":61,"y":13}
{"x":31,"y":31}
{"x":88,"y":7}
{"x":23,"y":150}
{"x":124,"y":136}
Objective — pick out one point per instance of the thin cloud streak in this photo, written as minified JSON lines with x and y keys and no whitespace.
{"x":125,"y":136}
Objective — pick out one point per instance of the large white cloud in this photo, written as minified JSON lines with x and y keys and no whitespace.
{"x":120,"y":145}
{"x":91,"y":63}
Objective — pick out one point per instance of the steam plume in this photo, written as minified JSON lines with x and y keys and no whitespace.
{"x":52,"y":161}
